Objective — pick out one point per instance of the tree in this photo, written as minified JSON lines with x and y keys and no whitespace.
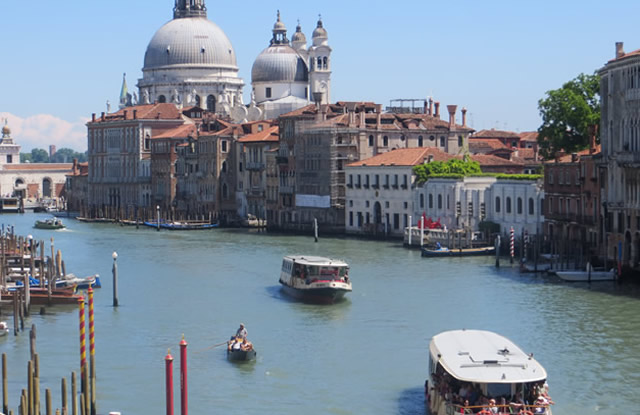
{"x":568,"y":114}
{"x":453,"y":166}
{"x":66,"y":155}
{"x":39,"y":155}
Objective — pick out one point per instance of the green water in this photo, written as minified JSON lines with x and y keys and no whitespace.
{"x":366,"y":355}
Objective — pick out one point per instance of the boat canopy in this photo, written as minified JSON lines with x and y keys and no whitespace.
{"x":316,"y":261}
{"x":484,"y":357}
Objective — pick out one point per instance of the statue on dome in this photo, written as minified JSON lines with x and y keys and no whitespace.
{"x":175,"y":98}
{"x":135,"y":98}
{"x":145,"y":97}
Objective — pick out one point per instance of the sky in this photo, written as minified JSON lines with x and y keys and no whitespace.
{"x":60,"y":61}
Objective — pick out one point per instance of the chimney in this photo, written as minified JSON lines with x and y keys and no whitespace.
{"x":75,"y":166}
{"x":125,"y":114}
{"x":426,"y":107}
{"x":323,"y":109}
{"x":102,"y":116}
{"x":452,"y":115}
{"x":430,"y":112}
{"x":363,"y":119}
{"x":619,"y":50}
{"x":437,"y":110}
{"x":317,"y":98}
{"x":93,"y":117}
{"x":593,"y":133}
{"x":135,"y":114}
{"x":464,"y":117}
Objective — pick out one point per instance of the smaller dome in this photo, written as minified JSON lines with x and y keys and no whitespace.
{"x":320,"y":31}
{"x":6,"y":131}
{"x":279,"y":63}
{"x":298,"y":36}
{"x":279,"y":26}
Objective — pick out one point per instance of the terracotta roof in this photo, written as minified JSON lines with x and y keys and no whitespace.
{"x":485,"y":145}
{"x":626,"y":55}
{"x":268,"y":135}
{"x":164,"y":111}
{"x":491,"y":160}
{"x":404,"y":157}
{"x":182,"y":131}
{"x":529,"y":136}
{"x":567,"y":158}
{"x":527,"y":153}
{"x":38,"y":166}
{"x":495,"y":134}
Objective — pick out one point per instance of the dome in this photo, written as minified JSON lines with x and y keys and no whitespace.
{"x":320,"y":31}
{"x":190,"y":42}
{"x":6,"y":131}
{"x":298,"y":36}
{"x":279,"y":63}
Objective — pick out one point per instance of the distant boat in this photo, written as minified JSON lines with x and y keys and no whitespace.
{"x":9,"y":204}
{"x":446,"y":252}
{"x":315,"y":279}
{"x":4,"y":328}
{"x":586,"y":276}
{"x":51,"y":223}
{"x":182,"y":226}
{"x":71,"y":280}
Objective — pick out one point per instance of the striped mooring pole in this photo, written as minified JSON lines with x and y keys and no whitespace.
{"x":92,"y":354}
{"x":512,"y":247}
{"x":83,"y":345}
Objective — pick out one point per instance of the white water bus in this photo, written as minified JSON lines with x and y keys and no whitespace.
{"x":315,"y":279}
{"x":490,"y":364}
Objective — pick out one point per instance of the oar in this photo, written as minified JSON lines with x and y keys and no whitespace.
{"x":211,"y":347}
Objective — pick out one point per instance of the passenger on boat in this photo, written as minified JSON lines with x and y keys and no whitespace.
{"x":465,"y":409}
{"x":517,"y":403}
{"x":541,"y":405}
{"x":492,"y":406}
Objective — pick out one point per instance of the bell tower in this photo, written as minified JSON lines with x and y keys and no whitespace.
{"x":320,"y":65}
{"x":189,"y":8}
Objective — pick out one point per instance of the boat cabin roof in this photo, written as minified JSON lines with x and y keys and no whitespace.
{"x":316,"y":261}
{"x":484,"y":357}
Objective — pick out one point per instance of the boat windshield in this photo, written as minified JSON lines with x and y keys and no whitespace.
{"x":326,"y":272}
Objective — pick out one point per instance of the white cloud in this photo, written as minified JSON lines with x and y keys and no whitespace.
{"x":43,"y":130}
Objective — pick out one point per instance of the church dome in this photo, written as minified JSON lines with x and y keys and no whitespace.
{"x":320,"y":31}
{"x":6,"y":131}
{"x":298,"y":36}
{"x":279,"y":63}
{"x":190,"y":42}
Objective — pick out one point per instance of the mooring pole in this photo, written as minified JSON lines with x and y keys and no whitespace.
{"x":184,"y":396}
{"x":168,"y":361}
{"x":115,"y":278}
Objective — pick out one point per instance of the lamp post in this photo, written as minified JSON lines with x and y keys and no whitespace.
{"x":158,"y":216}
{"x":115,"y":278}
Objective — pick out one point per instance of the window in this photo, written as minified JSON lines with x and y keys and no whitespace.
{"x":519,"y":203}
{"x":198,"y":101}
{"x":223,"y":146}
{"x":211,"y":103}
{"x":268,"y":92}
{"x":350,"y":218}
{"x":358,"y":182}
{"x":162,"y":99}
{"x":350,"y":184}
{"x":531,"y":206}
{"x":147,"y":141}
{"x":460,"y":141}
{"x":442,"y":141}
{"x":368,"y":221}
{"x":385,"y":141}
{"x":550,"y":205}
{"x":386,"y":181}
{"x":508,"y":208}
{"x":370,"y":141}
{"x":366,"y":181}
{"x":359,"y":219}
{"x":396,"y":221}
{"x":366,"y":203}
{"x":550,"y":177}
{"x":386,"y":204}
{"x":395,"y":181}
{"x":406,"y":205}
{"x":421,"y":201}
{"x":439,"y":201}
{"x":9,"y":158}
{"x":430,"y":201}
{"x":376,"y":182}
{"x":404,"y":181}
{"x":224,"y":167}
{"x":351,"y":203}
{"x":420,"y":141}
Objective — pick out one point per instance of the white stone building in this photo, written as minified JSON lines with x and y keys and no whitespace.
{"x":379,"y":195}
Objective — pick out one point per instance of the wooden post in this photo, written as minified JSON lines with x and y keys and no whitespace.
{"x":410,"y":219}
{"x":92,"y":354}
{"x":87,"y":400}
{"x":48,"y":401}
{"x":24,"y":408}
{"x":15,"y":312}
{"x":82,"y":403}
{"x":497,"y":244}
{"x":115,"y":278}
{"x":5,"y":385}
{"x":32,"y":341}
{"x":315,"y":229}
{"x":74,"y":394}
{"x":41,"y":277}
{"x":30,"y":387}
{"x":63,"y":389}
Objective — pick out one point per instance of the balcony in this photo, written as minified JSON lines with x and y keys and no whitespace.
{"x":256,"y":192}
{"x":287,"y":190}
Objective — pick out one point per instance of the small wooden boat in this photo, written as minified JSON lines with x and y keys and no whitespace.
{"x":51,"y":223}
{"x":240,"y":350}
{"x":70,"y":280}
{"x":446,"y":252}
{"x":586,"y":276}
{"x":182,"y":226}
{"x":40,"y":296}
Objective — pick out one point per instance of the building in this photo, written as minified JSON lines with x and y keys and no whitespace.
{"x":379,"y":194}
{"x":190,"y":61}
{"x":76,"y":188}
{"x":29,"y":181}
{"x":620,"y":139}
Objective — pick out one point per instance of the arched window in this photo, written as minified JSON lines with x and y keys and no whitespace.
{"x":46,"y":187}
{"x":430,"y":201}
{"x":385,"y":141}
{"x":224,"y":167}
{"x":439,"y":201}
{"x":519,"y":206}
{"x":211,"y":103}
{"x":325,"y":62}
{"x":319,"y":62}
{"x":508,"y":205}
{"x":420,"y":141}
{"x":197,"y":100}
{"x":421,"y":201}
{"x":162,"y":99}
{"x":497,"y":204}
{"x":531,"y":206}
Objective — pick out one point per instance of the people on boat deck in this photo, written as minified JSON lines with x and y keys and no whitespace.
{"x":238,"y":343}
{"x":242,"y":332}
{"x":438,"y":246}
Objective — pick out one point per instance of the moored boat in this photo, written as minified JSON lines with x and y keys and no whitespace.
{"x":315,"y":279}
{"x":51,"y":223}
{"x":446,"y":252}
{"x":182,"y":226}
{"x":587,"y":276}
{"x":70,"y":280}
{"x":4,"y":328}
{"x":489,"y":364}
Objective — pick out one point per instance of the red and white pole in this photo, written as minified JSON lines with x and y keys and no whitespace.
{"x":168,"y":362}
{"x":184,"y":408}
{"x":513,"y":250}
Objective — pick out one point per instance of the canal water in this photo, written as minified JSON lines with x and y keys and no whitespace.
{"x":366,"y":355}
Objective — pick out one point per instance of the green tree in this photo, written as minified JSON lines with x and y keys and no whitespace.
{"x":39,"y":155}
{"x":65,"y":155}
{"x":25,"y":157}
{"x":453,"y":166}
{"x":568,"y":114}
